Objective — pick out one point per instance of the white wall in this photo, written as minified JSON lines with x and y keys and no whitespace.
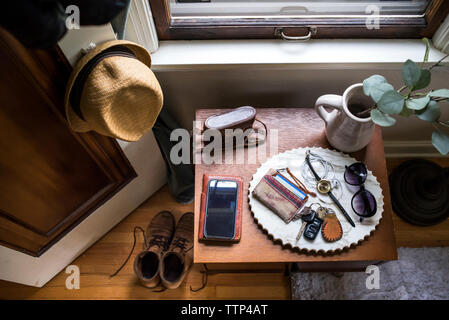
{"x":276,"y":73}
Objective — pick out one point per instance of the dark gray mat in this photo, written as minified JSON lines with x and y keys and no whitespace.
{"x":420,"y":273}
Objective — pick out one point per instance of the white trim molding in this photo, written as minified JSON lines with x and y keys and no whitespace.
{"x":410,"y":149}
{"x":140,"y":27}
{"x":441,"y":37}
{"x":330,"y":53}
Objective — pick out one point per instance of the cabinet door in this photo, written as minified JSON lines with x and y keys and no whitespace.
{"x":51,"y":178}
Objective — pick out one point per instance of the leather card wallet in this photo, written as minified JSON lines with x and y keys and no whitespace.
{"x":278,"y":198}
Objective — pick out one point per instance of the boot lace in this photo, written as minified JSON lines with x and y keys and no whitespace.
{"x":137,"y":228}
{"x":181,"y":243}
{"x":158,"y":240}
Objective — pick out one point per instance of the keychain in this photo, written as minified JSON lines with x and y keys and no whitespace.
{"x":331,"y":230}
{"x":308,"y":216}
{"x":321,"y":218}
{"x":306,"y":219}
{"x":313,"y":228}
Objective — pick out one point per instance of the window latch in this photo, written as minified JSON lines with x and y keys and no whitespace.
{"x":279,"y":32}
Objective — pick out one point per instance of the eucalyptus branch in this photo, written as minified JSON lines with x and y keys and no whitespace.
{"x":420,"y":94}
{"x":443,"y":123}
{"x":437,"y":99}
{"x":402,"y":88}
{"x":436,"y":64}
{"x":435,"y":126}
{"x":410,"y":99}
{"x":363,"y":113}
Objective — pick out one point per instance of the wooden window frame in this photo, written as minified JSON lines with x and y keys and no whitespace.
{"x":190,"y":29}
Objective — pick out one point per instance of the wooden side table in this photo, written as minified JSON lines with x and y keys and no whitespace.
{"x":297,"y":127}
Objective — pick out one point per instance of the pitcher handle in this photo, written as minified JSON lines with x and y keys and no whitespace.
{"x":330,"y":101}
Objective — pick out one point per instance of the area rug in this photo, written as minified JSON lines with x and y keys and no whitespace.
{"x":419,"y":273}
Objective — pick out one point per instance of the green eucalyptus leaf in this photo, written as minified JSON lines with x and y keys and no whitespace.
{"x":442,"y":93}
{"x":431,"y":113}
{"x":417,"y":104}
{"x":440,"y":141}
{"x":410,"y":73}
{"x":424,"y":80}
{"x":372,"y":82}
{"x":391,"y":102}
{"x":377,"y":92}
{"x":426,"y":55}
{"x":382,"y":119}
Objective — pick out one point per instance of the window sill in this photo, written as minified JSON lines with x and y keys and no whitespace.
{"x":219,"y":53}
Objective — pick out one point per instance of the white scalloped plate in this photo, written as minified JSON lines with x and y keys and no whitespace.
{"x":286,"y":233}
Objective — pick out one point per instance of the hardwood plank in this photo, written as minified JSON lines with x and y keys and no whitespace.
{"x":105,"y":256}
{"x":238,"y":292}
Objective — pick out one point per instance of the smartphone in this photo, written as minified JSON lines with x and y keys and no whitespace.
{"x":221,"y":209}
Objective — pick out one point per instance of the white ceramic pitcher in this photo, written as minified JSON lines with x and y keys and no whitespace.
{"x":344,"y":130}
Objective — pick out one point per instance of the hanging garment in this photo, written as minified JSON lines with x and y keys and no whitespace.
{"x":181,"y":179}
{"x":42,"y":23}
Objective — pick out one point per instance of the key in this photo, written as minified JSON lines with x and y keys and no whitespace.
{"x":321,"y":212}
{"x":302,"y":213}
{"x":306,"y":218}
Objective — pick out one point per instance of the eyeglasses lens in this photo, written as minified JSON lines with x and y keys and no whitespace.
{"x":364,"y":203}
{"x":356,"y":174}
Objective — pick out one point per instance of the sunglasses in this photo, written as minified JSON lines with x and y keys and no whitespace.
{"x":363,"y":202}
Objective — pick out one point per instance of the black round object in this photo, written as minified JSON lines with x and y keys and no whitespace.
{"x":420,"y":192}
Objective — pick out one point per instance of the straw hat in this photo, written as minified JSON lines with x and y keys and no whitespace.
{"x":113,"y":91}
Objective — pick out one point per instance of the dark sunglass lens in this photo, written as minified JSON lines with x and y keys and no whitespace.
{"x":356,"y":174}
{"x":364,"y":203}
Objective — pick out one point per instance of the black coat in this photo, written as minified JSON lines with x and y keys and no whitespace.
{"x":42,"y":23}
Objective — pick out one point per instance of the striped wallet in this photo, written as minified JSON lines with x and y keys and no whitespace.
{"x":280,"y":195}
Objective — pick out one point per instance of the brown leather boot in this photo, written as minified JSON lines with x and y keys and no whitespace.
{"x":177,"y":260}
{"x":158,"y":235}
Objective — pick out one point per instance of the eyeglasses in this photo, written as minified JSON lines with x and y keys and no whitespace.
{"x":363,"y":202}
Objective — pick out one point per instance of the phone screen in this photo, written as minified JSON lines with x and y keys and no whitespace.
{"x":221,"y":209}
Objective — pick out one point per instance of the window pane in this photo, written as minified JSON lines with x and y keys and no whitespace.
{"x":239,"y":8}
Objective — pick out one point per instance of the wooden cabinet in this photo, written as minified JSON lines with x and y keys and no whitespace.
{"x":51,"y":178}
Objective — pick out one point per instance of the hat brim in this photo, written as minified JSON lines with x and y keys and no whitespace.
{"x":75,"y":122}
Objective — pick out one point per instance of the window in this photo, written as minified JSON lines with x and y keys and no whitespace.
{"x":269,"y":8}
{"x":265,"y":19}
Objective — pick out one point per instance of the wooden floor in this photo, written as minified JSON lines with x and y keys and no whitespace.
{"x":105,"y":256}
{"x":102,"y":259}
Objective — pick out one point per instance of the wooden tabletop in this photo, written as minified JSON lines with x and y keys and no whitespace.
{"x":297,"y":127}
